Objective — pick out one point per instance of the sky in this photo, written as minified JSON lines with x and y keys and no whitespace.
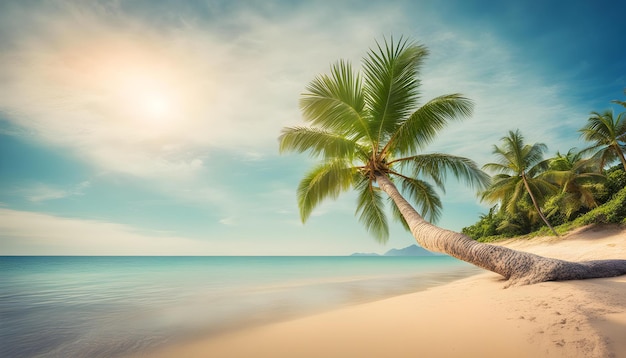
{"x":150,"y":127}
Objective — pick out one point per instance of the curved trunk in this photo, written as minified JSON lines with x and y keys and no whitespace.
{"x":519,"y":268}
{"x":532,"y":197}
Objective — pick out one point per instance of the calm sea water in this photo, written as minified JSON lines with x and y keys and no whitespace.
{"x":113,"y":306}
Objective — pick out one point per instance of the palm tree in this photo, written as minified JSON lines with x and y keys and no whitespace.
{"x":608,"y":135}
{"x":368,"y":131}
{"x":575,"y":176}
{"x":518,"y":171}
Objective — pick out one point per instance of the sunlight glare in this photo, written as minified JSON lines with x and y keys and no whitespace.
{"x":148,"y":99}
{"x":141,"y":92}
{"x":154,"y":105}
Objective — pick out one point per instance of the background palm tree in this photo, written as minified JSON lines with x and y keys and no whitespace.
{"x":608,"y":135}
{"x":576,"y":177}
{"x":368,"y":131}
{"x":518,"y":168}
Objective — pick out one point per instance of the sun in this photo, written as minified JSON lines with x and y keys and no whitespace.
{"x":148,"y":98}
{"x":154,"y":105}
{"x":139,"y":90}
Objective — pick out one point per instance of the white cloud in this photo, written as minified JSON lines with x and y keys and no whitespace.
{"x":229,"y":221}
{"x":27,"y":233}
{"x":39,"y":192}
{"x":91,"y":90}
{"x":508,"y":94}
{"x":85,"y":77}
{"x":149,"y":99}
{"x":44,"y":193}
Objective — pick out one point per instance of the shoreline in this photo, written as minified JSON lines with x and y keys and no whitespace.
{"x":469,"y":317}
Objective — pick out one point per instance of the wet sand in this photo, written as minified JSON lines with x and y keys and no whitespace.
{"x":471,"y":317}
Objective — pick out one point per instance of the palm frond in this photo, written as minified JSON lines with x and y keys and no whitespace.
{"x":539,"y":166}
{"x":326,"y":180}
{"x":423,"y":196}
{"x":501,"y":187}
{"x":558,"y":177}
{"x":424,"y":124}
{"x":498,"y":168}
{"x":397,"y":215}
{"x":318,"y":142}
{"x":506,"y":162}
{"x":541,"y":189}
{"x":437,"y":165}
{"x":620,"y":127}
{"x":506,"y":190}
{"x":608,"y":136}
{"x":533,"y":157}
{"x":391,"y":84}
{"x":336,"y":102}
{"x":371,"y":210}
{"x":600,"y":128}
{"x":518,"y":194}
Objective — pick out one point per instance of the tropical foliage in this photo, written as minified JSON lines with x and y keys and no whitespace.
{"x":578,"y":179}
{"x":369,"y":131}
{"x":612,"y":212}
{"x":363,"y":125}
{"x":608,"y":135}
{"x":518,"y":168}
{"x":584,"y":185}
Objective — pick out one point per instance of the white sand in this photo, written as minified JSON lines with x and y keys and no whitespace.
{"x":473,"y":317}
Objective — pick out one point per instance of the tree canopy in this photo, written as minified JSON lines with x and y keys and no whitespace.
{"x":369,"y":123}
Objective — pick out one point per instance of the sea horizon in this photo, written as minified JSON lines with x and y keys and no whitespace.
{"x":111,"y":306}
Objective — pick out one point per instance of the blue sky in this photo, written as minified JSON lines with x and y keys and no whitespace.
{"x":150,"y":127}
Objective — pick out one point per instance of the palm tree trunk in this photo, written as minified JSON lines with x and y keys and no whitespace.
{"x":519,"y":268}
{"x":532,"y":197}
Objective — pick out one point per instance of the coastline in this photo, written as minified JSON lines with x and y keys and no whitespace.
{"x":470,"y":317}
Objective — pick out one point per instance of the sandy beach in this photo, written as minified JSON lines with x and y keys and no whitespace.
{"x":472,"y":317}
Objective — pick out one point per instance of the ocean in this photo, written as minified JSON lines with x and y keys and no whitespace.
{"x":115,"y":306}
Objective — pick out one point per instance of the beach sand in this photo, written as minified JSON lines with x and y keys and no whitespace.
{"x":472,"y":317}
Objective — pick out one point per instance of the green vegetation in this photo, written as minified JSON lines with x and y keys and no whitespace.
{"x":369,"y":131}
{"x":367,"y":125}
{"x":566,"y":191}
{"x":519,"y":166}
{"x":612,"y":212}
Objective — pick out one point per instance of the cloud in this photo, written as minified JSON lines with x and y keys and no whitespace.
{"x":159,"y":93}
{"x":44,"y":193}
{"x":152,"y":99}
{"x":92,"y":90}
{"x":27,"y":233}
{"x":508,"y":95}
{"x":229,"y":221}
{"x":84,"y":77}
{"x":39,"y":192}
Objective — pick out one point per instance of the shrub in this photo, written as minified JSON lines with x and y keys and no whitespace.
{"x":615,"y":180}
{"x":611,"y":212}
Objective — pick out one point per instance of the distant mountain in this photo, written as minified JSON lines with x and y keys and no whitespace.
{"x":364,"y":254}
{"x":412,"y":250}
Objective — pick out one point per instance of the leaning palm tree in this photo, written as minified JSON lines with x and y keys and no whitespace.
{"x":518,"y":168}
{"x":608,"y":135}
{"x":575,"y":176}
{"x":369,"y":132}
